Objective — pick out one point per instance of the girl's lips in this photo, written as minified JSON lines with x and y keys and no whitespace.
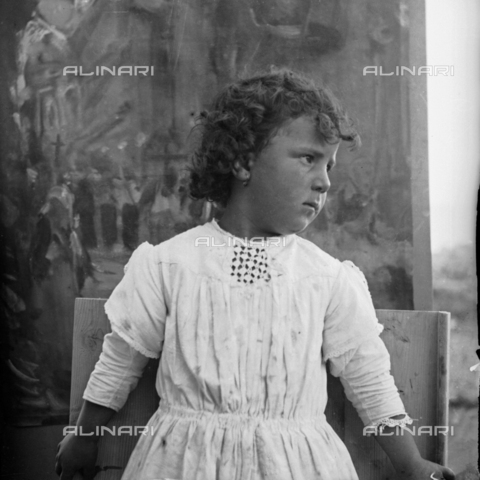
{"x":315,"y":206}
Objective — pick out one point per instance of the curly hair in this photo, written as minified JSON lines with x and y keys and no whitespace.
{"x":247,"y":114}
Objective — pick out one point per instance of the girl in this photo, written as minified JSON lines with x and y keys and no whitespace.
{"x":245,"y":314}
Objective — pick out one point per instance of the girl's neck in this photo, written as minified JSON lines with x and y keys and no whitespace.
{"x":239,"y":224}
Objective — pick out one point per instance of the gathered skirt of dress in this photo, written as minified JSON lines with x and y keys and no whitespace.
{"x":218,"y":446}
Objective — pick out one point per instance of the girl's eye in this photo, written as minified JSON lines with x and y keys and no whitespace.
{"x":308,"y":158}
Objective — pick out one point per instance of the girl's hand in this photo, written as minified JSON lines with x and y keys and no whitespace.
{"x":423,"y":470}
{"x":76,"y":453}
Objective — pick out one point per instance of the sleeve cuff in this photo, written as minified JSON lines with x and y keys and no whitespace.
{"x":110,"y":403}
{"x":376,"y":428}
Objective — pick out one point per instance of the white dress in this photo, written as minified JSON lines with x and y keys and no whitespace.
{"x":244,"y":334}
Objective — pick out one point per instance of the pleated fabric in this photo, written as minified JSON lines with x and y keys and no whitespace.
{"x":242,"y":376}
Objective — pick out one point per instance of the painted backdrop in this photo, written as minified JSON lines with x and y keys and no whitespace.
{"x":93,"y":161}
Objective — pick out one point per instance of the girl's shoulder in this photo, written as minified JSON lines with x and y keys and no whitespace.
{"x":317,"y":260}
{"x":311,"y":257}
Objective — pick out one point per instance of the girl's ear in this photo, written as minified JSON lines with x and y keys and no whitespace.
{"x":241,"y":167}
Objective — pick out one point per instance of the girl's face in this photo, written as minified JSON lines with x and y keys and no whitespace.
{"x":289,"y":179}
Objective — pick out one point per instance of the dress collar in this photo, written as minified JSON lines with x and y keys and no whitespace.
{"x":278,"y":241}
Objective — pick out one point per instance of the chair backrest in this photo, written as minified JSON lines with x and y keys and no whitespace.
{"x":418,"y":343}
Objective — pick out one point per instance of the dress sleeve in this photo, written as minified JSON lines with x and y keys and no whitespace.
{"x":116,"y":373}
{"x":358,"y":355}
{"x":365,"y":375}
{"x":350,"y":316}
{"x":137,"y":307}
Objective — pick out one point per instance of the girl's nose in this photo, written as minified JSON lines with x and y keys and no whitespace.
{"x":322,"y":182}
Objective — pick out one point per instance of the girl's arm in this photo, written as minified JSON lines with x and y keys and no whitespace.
{"x":365,"y":375}
{"x":405,"y":457}
{"x":359,"y":357}
{"x":91,"y":416}
{"x":78,"y":451}
{"x":116,"y":373}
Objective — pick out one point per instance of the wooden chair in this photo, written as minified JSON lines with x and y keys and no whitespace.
{"x":418,"y":344}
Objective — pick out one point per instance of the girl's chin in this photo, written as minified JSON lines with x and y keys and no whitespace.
{"x":298,"y":226}
{"x":288,"y":225}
